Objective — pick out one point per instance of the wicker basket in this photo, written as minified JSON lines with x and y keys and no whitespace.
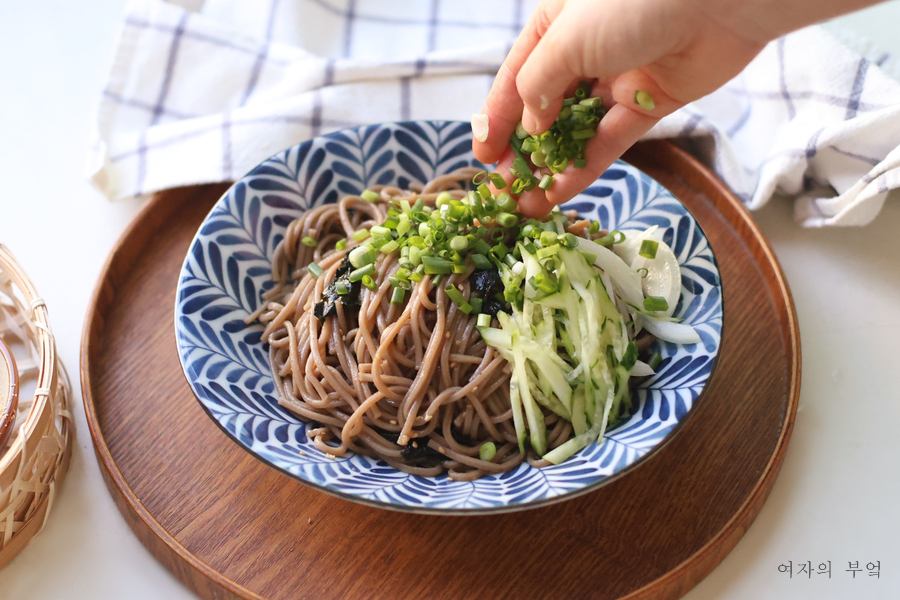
{"x":34,"y":460}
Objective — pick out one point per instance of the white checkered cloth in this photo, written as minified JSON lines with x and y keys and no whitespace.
{"x":201,"y":92}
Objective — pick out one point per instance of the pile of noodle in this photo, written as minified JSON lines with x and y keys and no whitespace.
{"x":412,"y":384}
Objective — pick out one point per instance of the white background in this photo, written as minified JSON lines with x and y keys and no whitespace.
{"x":836,"y":498}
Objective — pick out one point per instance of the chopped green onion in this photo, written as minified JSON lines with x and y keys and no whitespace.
{"x":547,"y":238}
{"x":480,"y":261}
{"x":614,"y":237}
{"x":644,"y":100}
{"x":341,"y":244}
{"x":398,"y":295}
{"x":370,"y":196}
{"x":476,"y":304}
{"x":649,"y":248}
{"x":314,"y":269}
{"x":521,"y":133}
{"x":361,"y":256}
{"x":505,"y":202}
{"x":379,"y":232}
{"x":442,"y":199}
{"x":487,"y":451}
{"x":342,"y":287}
{"x":466,"y":308}
{"x":480,"y":177}
{"x":389,"y":247}
{"x":569,"y":240}
{"x":583,"y":88}
{"x":454,"y":294}
{"x":655,"y":360}
{"x":546,"y":182}
{"x":630,"y":357}
{"x":404,"y":225}
{"x":548,"y":251}
{"x":368,"y":282}
{"x":360,"y":234}
{"x":415,"y":255}
{"x":580,"y":163}
{"x":655,"y":303}
{"x":309,"y":242}
{"x":507,"y":220}
{"x":583,"y":134}
{"x":645,"y":270}
{"x":530,"y":146}
{"x":482,"y":247}
{"x":435,"y":265}
{"x":498,"y":181}
{"x":361,"y":272}
{"x":458,"y":268}
{"x":483,"y":320}
{"x":594,"y":227}
{"x":543,"y":283}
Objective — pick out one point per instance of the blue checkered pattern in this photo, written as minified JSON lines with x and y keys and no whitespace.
{"x":203,"y":91}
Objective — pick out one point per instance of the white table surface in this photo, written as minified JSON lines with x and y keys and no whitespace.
{"x":835,"y":500}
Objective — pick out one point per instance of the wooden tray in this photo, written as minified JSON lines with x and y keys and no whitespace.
{"x":228,"y":526}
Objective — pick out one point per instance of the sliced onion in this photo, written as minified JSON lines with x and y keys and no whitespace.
{"x":626,"y":282}
{"x":628,"y":250}
{"x":663,"y":272}
{"x":642,"y":369}
{"x":663,"y":277}
{"x":677,"y":333}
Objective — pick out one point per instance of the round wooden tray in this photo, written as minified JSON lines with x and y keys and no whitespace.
{"x":228,"y":526}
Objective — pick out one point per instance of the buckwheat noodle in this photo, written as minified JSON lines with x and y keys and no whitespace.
{"x":412,"y":384}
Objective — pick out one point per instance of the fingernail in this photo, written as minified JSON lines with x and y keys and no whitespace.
{"x":480,"y":126}
{"x":529,"y":122}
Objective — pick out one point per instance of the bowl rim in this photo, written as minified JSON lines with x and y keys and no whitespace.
{"x":700,"y":400}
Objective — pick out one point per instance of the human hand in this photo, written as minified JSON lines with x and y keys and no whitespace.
{"x":676,"y":50}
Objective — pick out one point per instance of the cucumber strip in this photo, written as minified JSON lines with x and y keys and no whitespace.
{"x":552,"y":403}
{"x":579,"y":423}
{"x":536,"y":426}
{"x":564,"y":451}
{"x":518,"y":420}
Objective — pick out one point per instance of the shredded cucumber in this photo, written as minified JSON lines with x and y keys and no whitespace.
{"x":567,"y":336}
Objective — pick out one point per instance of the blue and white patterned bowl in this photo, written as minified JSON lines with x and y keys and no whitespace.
{"x":228,"y":266}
